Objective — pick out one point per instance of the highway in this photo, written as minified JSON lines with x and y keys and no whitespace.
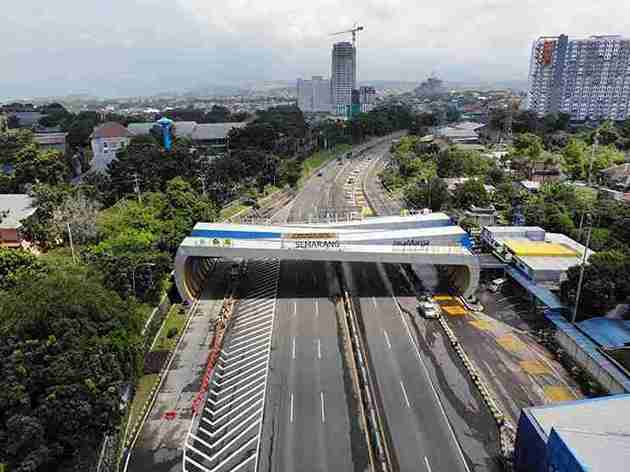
{"x":417,"y":426}
{"x":310,"y":402}
{"x":310,"y":420}
{"x":311,"y":413}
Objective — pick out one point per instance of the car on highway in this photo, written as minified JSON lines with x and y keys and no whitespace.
{"x":429,"y":309}
{"x":320,"y":173}
{"x":496,"y":285}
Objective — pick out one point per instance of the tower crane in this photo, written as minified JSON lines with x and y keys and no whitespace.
{"x":354,"y":32}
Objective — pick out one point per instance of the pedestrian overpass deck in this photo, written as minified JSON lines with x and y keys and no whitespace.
{"x":194,"y":255}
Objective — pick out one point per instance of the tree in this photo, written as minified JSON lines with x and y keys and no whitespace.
{"x":431,"y":193}
{"x":16,"y":263}
{"x":67,"y":346}
{"x":79,"y":213}
{"x":38,"y":227}
{"x":529,"y":150}
{"x":472,"y":192}
{"x":606,"y":283}
{"x":44,"y":167}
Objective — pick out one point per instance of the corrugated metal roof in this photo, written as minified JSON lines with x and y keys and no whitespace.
{"x":605,"y":415}
{"x":541,"y":293}
{"x":139,"y":129}
{"x":597,"y":451}
{"x":607,"y":332}
{"x":19,"y":207}
{"x":589,"y":348}
{"x":212,"y":131}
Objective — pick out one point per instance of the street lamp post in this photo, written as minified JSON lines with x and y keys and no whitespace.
{"x":584,"y":258}
{"x":133,"y":274}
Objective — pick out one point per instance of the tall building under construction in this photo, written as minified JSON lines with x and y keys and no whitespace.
{"x":587,"y":78}
{"x":343,"y":75}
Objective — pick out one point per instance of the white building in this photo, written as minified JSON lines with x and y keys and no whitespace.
{"x":367,"y":98}
{"x":314,"y":95}
{"x":107,"y":140}
{"x":587,"y":78}
{"x":343,"y":75}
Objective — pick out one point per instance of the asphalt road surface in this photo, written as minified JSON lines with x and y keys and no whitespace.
{"x":310,"y":427}
{"x":418,"y":429}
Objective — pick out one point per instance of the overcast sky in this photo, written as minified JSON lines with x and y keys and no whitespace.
{"x":129,"y":47}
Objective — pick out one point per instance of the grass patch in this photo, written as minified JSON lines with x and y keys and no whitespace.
{"x":321,"y":157}
{"x":230,"y":211}
{"x":143,"y":389}
{"x":174,"y":321}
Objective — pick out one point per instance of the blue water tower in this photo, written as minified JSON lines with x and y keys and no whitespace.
{"x":166,"y":126}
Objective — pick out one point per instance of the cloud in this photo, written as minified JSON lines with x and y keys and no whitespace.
{"x":143,"y":46}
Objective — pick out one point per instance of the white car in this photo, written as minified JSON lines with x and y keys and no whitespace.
{"x":429,"y":309}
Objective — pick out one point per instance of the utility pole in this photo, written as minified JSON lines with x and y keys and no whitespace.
{"x":589,"y":178}
{"x":581,"y":279}
{"x":136,"y":186}
{"x":74,"y":258}
{"x":202,"y":179}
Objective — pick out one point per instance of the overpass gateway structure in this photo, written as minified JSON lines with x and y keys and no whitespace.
{"x":418,"y":239}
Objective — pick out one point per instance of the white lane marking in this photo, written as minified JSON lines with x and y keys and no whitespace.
{"x":389,"y":345}
{"x":426,"y":461}
{"x":316,"y":308}
{"x":321,"y":395}
{"x":374,"y":302}
{"x":294,"y":308}
{"x":435,"y":394}
{"x":402,"y":385}
{"x":291,"y":410}
{"x":293,"y":355}
{"x":319,"y":349}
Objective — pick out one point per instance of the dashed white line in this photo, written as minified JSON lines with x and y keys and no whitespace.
{"x":374,"y":302}
{"x":291,"y":410}
{"x":321,"y":395}
{"x":293,"y":355}
{"x":426,"y":461}
{"x":433,"y":389}
{"x":294,"y":308}
{"x":316,"y":308}
{"x":319,"y":349}
{"x":404,"y":393}
{"x":389,"y":345}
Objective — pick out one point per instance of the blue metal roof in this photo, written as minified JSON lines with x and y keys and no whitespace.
{"x":589,"y":348}
{"x":544,"y":295}
{"x":607,"y":332}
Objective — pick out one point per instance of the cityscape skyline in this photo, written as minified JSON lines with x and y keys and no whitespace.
{"x":142,"y":47}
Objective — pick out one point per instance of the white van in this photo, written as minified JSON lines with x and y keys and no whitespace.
{"x":496,"y":285}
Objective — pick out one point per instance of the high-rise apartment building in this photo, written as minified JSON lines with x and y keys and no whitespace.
{"x":314,"y":95}
{"x":587,"y":78}
{"x":343,"y":75}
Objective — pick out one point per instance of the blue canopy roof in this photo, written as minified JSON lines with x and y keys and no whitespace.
{"x":544,"y":295}
{"x":607,"y":332}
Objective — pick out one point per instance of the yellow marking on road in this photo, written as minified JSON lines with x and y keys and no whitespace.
{"x":442,"y":298}
{"x":558,"y":393}
{"x":483,"y":325}
{"x":534,"y":367}
{"x":367,"y":211}
{"x":511,"y":343}
{"x":453,"y":309}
